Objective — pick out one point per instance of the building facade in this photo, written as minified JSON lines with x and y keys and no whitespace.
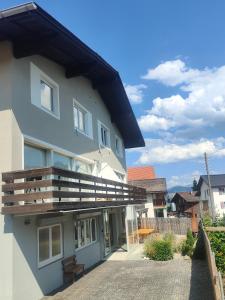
{"x":217,"y":203}
{"x":156,"y":190}
{"x":62,"y":112}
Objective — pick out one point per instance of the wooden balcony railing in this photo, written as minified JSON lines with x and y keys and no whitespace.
{"x":53,"y":189}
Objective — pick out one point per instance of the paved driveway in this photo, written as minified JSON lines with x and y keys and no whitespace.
{"x":178,"y":279}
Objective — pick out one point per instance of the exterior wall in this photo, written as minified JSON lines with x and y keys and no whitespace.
{"x":217,"y":202}
{"x":25,"y":265}
{"x":10,"y":158}
{"x":38,"y":124}
{"x":217,"y":198}
{"x":20,"y":120}
{"x":149,"y":206}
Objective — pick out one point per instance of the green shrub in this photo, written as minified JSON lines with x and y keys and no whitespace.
{"x":187,"y":247}
{"x":159,"y":249}
{"x":169,"y":237}
{"x":217,"y":241}
{"x":207,"y":220}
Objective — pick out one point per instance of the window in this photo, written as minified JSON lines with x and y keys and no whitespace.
{"x":103,"y":135}
{"x":82,"y":119}
{"x":44,"y":92}
{"x":119,"y":146}
{"x":85,"y":232}
{"x":46,"y":96}
{"x":83,"y":167}
{"x":34,"y":157}
{"x":49,"y":244}
{"x":62,"y":161}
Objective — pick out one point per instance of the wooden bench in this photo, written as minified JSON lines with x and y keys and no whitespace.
{"x":71,"y":268}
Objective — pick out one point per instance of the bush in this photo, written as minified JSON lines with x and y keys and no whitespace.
{"x":207,"y":220}
{"x":159,"y":249}
{"x":187,"y":247}
{"x":217,"y":241}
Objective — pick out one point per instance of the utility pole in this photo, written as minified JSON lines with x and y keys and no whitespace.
{"x":210,"y":187}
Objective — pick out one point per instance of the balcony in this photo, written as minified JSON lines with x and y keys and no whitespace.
{"x":49,"y":190}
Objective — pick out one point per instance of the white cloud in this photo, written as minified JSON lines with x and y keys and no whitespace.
{"x":171,"y":73}
{"x":183,"y":180}
{"x":151,"y":122}
{"x":163,"y":152}
{"x":203,"y":105}
{"x":135,"y":92}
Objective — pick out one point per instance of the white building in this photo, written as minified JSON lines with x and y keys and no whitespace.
{"x":218,"y":193}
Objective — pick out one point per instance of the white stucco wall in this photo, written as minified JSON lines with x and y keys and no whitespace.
{"x":217,"y":199}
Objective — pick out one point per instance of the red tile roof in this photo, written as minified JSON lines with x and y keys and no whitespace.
{"x":141,"y":173}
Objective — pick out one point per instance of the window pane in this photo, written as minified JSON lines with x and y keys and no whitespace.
{"x":75,"y":113}
{"x":93,"y":229}
{"x":83,"y":167}
{"x":88,"y":232}
{"x":46,"y":96}
{"x":34,"y":157}
{"x":43,"y":244}
{"x":56,"y":241}
{"x":81,"y":234}
{"x":61,"y":161}
{"x":81,"y":120}
{"x":76,"y":235}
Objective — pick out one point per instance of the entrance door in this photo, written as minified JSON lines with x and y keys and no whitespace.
{"x":106,"y":225}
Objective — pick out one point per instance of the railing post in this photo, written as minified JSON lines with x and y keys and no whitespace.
{"x":79,"y":189}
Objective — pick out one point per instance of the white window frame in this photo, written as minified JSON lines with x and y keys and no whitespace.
{"x":100,"y":125}
{"x":51,"y":258}
{"x":88,"y":127}
{"x":78,"y":228}
{"x":36,"y":76}
{"x":119,"y":152}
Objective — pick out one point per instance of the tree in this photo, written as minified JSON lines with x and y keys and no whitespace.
{"x":195,"y":185}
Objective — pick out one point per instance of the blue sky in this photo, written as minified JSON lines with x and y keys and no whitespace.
{"x":171,"y":58}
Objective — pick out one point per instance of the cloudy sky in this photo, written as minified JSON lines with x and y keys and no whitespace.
{"x":171,"y":57}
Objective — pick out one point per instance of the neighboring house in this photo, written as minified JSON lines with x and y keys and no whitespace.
{"x":156,"y":190}
{"x":218,"y":192}
{"x":64,"y":116}
{"x":187,"y":204}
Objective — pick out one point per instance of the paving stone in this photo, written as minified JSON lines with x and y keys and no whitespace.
{"x":177,"y":279}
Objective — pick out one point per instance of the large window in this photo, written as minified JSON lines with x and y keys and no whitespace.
{"x":62,"y":161}
{"x":103,"y":135}
{"x":85,"y":232}
{"x":47,"y":96}
{"x":82,"y":119}
{"x":83,"y":167}
{"x":34,"y":157}
{"x":49,"y":244}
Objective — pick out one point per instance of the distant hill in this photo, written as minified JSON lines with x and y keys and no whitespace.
{"x":179,"y":188}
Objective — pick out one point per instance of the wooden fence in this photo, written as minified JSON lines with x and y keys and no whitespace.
{"x":176,"y":225}
{"x":215,"y":276}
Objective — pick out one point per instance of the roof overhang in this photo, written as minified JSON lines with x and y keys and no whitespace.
{"x":33,"y":31}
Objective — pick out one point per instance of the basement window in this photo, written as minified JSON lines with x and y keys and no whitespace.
{"x":49,"y":244}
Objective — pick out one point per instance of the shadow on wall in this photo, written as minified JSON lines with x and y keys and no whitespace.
{"x":201,"y":286}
